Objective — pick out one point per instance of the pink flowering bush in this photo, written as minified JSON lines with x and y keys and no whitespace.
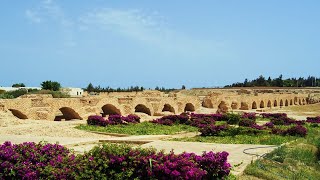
{"x":112,"y":161}
{"x":246,"y":122}
{"x":112,"y":120}
{"x":212,"y":130}
{"x":96,"y":120}
{"x":172,"y":119}
{"x":274,"y":115}
{"x":297,"y":130}
{"x":34,"y":161}
{"x":313,"y":119}
{"x":109,"y":161}
{"x":251,"y":116}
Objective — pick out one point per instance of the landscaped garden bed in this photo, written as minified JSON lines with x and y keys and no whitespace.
{"x":109,"y":161}
{"x":215,"y":128}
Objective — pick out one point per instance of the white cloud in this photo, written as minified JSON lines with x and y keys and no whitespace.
{"x":149,"y":28}
{"x":32,"y":16}
{"x":50,"y":11}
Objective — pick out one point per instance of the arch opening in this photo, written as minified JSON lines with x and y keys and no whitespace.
{"x":275,"y":103}
{"x":291,"y":102}
{"x":222,"y":107}
{"x":269,"y":104}
{"x":143,"y":109}
{"x":244,"y":106}
{"x":286,"y":103}
{"x":18,"y":114}
{"x":169,"y":108}
{"x":68,"y":114}
{"x":295,"y":100}
{"x":303,"y":102}
{"x":234,"y":105}
{"x":300,"y":103}
{"x":207,"y":103}
{"x":281,"y":102}
{"x":254,"y":105}
{"x":110,"y":109}
{"x":189,"y":107}
{"x":261,"y":104}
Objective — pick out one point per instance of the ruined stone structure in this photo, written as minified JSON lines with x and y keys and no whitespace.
{"x":153,"y":103}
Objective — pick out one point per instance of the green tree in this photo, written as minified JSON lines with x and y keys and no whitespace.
{"x":90,"y":88}
{"x":183,"y":87}
{"x":18,"y":85}
{"x":50,"y":85}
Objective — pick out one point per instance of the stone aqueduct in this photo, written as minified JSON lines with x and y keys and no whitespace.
{"x":153,"y":103}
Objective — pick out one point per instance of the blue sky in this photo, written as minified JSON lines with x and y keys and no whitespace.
{"x":157,"y":43}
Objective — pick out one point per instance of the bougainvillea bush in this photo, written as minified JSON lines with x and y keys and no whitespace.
{"x":96,"y":120}
{"x":122,"y":162}
{"x":109,"y":161}
{"x":212,"y":130}
{"x":313,"y":119}
{"x":251,"y":116}
{"x":35,"y":161}
{"x":296,"y":130}
{"x":273,"y":115}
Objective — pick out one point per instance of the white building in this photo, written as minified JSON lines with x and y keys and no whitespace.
{"x":73,"y":92}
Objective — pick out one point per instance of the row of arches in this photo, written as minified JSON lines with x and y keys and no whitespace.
{"x":262,"y":104}
{"x":68,"y":113}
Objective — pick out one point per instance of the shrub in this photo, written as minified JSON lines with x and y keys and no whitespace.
{"x":232,"y":118}
{"x":109,"y":161}
{"x":172,"y":119}
{"x":246,"y":122}
{"x":131,"y":118}
{"x":251,"y":116}
{"x":55,"y":94}
{"x":269,"y":125}
{"x":115,"y":119}
{"x":112,"y":161}
{"x":273,"y":115}
{"x":97,"y":121}
{"x":313,"y":119}
{"x":13,"y":94}
{"x":297,"y":131}
{"x":35,"y":161}
{"x":212,"y":130}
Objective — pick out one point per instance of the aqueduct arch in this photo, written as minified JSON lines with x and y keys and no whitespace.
{"x":168,"y":108}
{"x":110,"y":109}
{"x":254,"y":105}
{"x":234,"y":105}
{"x":291,"y":102}
{"x":143,"y":109}
{"x":281,"y":102}
{"x":189,"y":107}
{"x":244,"y":106}
{"x":286,"y":103}
{"x":275,"y":103}
{"x":18,"y":114}
{"x":261,"y":104}
{"x":269,"y":104}
{"x":69,"y":113}
{"x":207,"y":103}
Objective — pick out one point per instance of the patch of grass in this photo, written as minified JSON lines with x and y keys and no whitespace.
{"x":266,"y":138}
{"x":294,"y":161}
{"x":144,"y":128}
{"x":232,"y":136}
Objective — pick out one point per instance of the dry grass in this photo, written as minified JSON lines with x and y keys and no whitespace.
{"x":310,"y":109}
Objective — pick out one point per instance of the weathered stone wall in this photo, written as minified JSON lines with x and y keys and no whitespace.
{"x":153,"y":102}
